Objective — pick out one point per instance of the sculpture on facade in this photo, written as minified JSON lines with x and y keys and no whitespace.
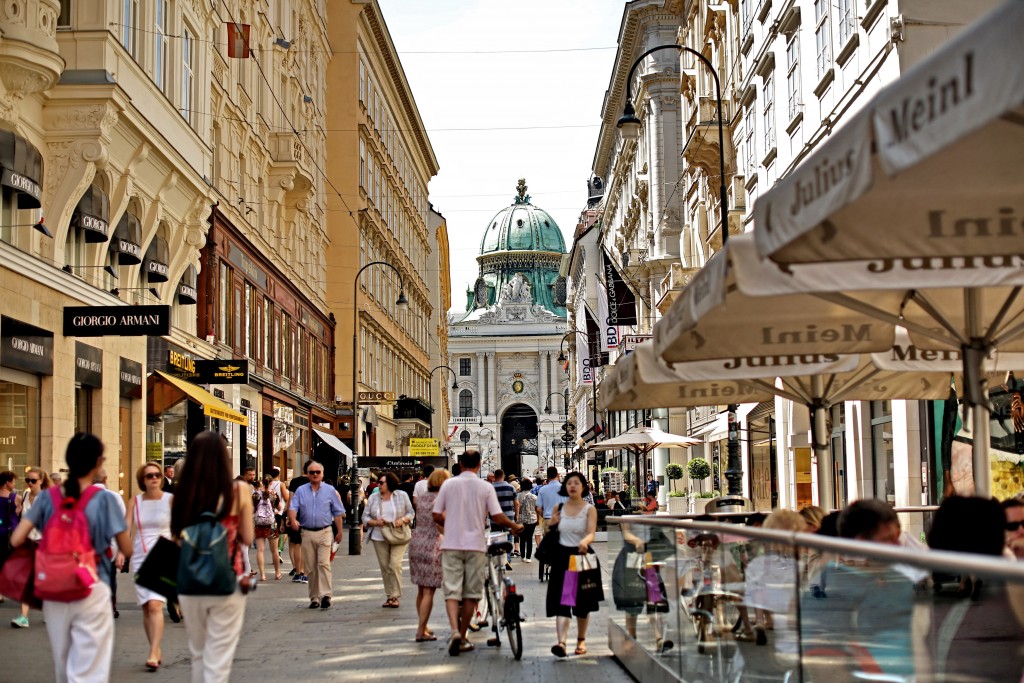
{"x":517,"y":290}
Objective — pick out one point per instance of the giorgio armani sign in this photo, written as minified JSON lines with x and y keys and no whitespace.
{"x":116,"y":321}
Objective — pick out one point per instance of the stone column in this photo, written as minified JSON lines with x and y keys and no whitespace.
{"x":542,"y":363}
{"x":479,"y":376}
{"x":492,"y":383}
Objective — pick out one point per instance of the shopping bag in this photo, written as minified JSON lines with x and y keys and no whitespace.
{"x":569,"y":587}
{"x":628,"y":588}
{"x":589,"y":587}
{"x":159,"y":571}
{"x":16,"y":575}
{"x":655,"y":587}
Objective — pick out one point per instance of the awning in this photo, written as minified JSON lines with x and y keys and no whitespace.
{"x":168,"y":390}
{"x":127,"y":239}
{"x":91,"y":215}
{"x":334,"y":442}
{"x":719,"y":428}
{"x":621,"y":300}
{"x":22,"y":169}
{"x":187,"y":287}
{"x":156,"y":260}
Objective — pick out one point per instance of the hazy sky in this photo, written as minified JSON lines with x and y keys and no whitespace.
{"x":529,"y":72}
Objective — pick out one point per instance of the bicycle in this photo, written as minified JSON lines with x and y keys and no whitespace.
{"x":502,"y":598}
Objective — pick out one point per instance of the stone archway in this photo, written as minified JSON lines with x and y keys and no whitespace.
{"x":518,"y":439}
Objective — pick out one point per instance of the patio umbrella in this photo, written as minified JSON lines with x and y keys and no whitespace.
{"x":921,"y":192}
{"x":643,"y":381}
{"x":641,"y":440}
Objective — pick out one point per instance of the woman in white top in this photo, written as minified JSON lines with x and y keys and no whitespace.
{"x":149,"y":518}
{"x":388,"y":506}
{"x":577,"y":526}
{"x":37,"y":481}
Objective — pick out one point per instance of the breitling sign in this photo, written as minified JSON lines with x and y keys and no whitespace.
{"x":197,"y":371}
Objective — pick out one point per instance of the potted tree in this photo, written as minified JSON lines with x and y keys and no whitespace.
{"x":678,"y":501}
{"x":699,"y":470}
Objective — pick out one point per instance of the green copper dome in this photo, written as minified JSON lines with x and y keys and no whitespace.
{"x":521,"y":244}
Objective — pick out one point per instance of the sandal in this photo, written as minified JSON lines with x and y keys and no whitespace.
{"x":558,"y":649}
{"x":277,"y":576}
{"x":153,"y":664}
{"x":426,"y":638}
{"x":581,"y":646}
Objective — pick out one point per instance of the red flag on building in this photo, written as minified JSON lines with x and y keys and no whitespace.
{"x":238,"y":41}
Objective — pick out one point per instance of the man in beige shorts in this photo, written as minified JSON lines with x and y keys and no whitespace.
{"x":462,"y":506}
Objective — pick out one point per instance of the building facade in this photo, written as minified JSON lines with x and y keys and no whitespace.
{"x":511,"y":397}
{"x":381,"y":161}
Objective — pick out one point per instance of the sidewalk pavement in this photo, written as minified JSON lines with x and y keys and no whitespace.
{"x":354,"y":640}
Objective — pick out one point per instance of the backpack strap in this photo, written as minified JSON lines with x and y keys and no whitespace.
{"x":87,"y":496}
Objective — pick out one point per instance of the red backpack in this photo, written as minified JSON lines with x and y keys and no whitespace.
{"x":65,"y":565}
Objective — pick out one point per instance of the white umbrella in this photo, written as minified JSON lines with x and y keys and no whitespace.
{"x":642,"y":439}
{"x":921,"y":192}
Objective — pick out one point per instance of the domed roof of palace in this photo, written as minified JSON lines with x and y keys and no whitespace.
{"x":522,"y":227}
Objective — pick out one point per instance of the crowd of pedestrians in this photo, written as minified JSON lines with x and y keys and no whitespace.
{"x":440,"y":521}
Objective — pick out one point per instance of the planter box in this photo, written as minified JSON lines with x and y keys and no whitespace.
{"x":678,"y":505}
{"x":699,"y":505}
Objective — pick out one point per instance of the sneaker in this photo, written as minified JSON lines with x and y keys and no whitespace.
{"x":527,"y":559}
{"x":292,"y":572}
{"x":19,"y":622}
{"x":508,"y":566}
{"x":296,"y":578}
{"x":304,"y":579}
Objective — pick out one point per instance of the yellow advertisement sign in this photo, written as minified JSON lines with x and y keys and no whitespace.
{"x":420,"y":448}
{"x":154,"y":451}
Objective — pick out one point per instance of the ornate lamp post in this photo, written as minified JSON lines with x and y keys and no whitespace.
{"x":455,"y":385}
{"x":547,"y":402}
{"x":355,"y":541}
{"x":629,"y":124}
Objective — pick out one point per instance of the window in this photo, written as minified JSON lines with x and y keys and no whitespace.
{"x":266,"y":358}
{"x":224,"y":304}
{"x":746,"y":14}
{"x":130,"y":27}
{"x":465,"y":367}
{"x":466,"y":403}
{"x":362,"y":81}
{"x":750,"y":141}
{"x":64,"y":17}
{"x":844,"y":16}
{"x":882,"y":451}
{"x":362,"y":163}
{"x":793,"y":75}
{"x":188,"y":75}
{"x":250,"y":321}
{"x":837,"y":414}
{"x":821,"y":35}
{"x":768,"y":94}
{"x":160,"y":45}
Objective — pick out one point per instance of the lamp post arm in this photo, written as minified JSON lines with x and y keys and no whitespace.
{"x":721,"y":135}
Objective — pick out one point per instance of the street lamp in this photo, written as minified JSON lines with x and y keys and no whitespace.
{"x":354,"y":540}
{"x":547,"y":401}
{"x":455,"y":385}
{"x":629,"y":124}
{"x":475,"y":410}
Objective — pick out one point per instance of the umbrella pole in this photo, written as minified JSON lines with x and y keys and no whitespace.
{"x":976,"y":392}
{"x":819,"y":442}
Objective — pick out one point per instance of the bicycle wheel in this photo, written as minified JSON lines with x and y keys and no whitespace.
{"x":493,"y":617}
{"x":512,"y":626}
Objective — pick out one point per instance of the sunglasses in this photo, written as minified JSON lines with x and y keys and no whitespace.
{"x":31,"y":481}
{"x":153,"y":475}
{"x":315,"y":472}
{"x":1013,"y":526}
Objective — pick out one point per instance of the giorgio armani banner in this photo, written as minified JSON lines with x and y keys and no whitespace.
{"x":25,"y":347}
{"x":116,"y":321}
{"x":88,"y":365}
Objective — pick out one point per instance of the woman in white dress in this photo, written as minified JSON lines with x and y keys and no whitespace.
{"x":149,"y":518}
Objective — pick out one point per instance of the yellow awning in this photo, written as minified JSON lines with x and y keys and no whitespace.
{"x":212,"y":406}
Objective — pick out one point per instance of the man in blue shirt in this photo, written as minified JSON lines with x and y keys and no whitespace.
{"x":548,"y":498}
{"x":509,"y":502}
{"x":314,"y":507}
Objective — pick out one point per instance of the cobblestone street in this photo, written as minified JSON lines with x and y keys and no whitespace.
{"x":355,"y":640}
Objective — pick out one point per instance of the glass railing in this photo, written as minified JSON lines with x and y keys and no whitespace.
{"x":719,"y":601}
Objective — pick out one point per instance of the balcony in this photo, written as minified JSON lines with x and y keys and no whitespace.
{"x":29,"y":58}
{"x":670,"y":286}
{"x":413,"y":409}
{"x":291,"y":166}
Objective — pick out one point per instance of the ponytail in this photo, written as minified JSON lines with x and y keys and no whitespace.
{"x":83,"y":454}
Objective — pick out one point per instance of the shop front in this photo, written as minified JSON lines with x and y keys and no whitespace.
{"x":26,"y":356}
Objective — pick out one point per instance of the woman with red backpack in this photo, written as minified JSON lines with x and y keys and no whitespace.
{"x":72,"y":567}
{"x":265,"y":503}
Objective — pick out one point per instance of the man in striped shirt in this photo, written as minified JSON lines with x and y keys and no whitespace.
{"x":509,"y":502}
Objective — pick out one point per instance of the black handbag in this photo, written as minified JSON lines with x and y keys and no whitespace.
{"x":159,"y":571}
{"x":547,"y":549}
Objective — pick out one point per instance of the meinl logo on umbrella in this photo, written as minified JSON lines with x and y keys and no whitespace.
{"x":917,"y":112}
{"x":812,"y":334}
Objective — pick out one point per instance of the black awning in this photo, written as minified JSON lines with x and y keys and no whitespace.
{"x":156,"y":260}
{"x":127,"y":239}
{"x":22,"y":166}
{"x":594,"y":339}
{"x":91,"y":215}
{"x":187,"y":287}
{"x":621,"y":300}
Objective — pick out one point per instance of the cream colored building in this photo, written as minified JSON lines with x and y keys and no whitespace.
{"x":380,"y":161}
{"x":133,"y":122}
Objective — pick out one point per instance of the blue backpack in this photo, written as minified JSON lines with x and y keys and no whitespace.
{"x":205,"y":567}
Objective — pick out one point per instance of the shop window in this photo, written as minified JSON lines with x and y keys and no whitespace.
{"x":837,"y":442}
{"x":226,"y":277}
{"x":19,"y":421}
{"x":84,"y":409}
{"x":882,"y":451}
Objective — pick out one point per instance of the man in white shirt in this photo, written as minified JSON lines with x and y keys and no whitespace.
{"x":461,"y":507}
{"x":421,"y":485}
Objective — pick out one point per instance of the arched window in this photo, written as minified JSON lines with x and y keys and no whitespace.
{"x":465,"y":403}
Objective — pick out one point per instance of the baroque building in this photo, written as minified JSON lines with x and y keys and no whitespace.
{"x":380,"y":162}
{"x":510,"y":400}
